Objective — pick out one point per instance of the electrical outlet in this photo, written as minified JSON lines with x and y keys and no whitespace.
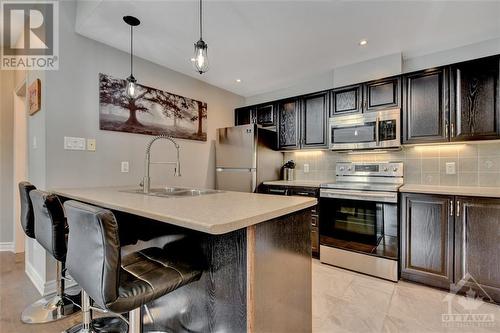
{"x":125,"y":166}
{"x":450,"y":168}
{"x":71,"y":143}
{"x":306,"y":168}
{"x":35,"y":142}
{"x":91,"y":144}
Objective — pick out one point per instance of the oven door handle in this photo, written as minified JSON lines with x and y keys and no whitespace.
{"x":360,"y":195}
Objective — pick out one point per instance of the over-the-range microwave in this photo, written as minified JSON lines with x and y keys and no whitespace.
{"x":369,"y":130}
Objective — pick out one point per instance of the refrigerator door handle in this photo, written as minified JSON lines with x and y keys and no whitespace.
{"x":235,"y":169}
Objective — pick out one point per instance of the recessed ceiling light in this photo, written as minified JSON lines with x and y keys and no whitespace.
{"x":238,"y":80}
{"x":363,"y":42}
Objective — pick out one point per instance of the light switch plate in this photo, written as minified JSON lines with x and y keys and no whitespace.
{"x":306,"y":168}
{"x":124,"y":166}
{"x":91,"y":144}
{"x":450,"y":168}
{"x":72,"y":143}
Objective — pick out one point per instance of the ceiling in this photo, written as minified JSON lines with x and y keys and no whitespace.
{"x":270,"y":45}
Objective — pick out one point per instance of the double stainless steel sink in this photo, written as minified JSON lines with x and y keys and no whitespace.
{"x":174,"y":192}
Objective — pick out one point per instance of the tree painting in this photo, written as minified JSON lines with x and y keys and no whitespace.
{"x":151,"y":112}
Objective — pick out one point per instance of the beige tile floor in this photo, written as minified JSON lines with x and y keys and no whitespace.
{"x":343,"y":301}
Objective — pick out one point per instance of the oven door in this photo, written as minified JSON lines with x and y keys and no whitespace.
{"x":361,"y":217}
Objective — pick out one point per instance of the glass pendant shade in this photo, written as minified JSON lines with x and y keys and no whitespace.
{"x":200,"y":58}
{"x":131,"y":88}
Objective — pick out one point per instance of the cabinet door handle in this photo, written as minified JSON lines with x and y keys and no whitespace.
{"x":446,"y":125}
{"x":451,"y":207}
{"x":458,"y":208}
{"x":452,"y":129}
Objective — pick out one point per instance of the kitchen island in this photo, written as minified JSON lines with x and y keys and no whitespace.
{"x":257,"y":250}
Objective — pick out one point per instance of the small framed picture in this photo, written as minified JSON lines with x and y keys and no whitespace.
{"x":34,"y":95}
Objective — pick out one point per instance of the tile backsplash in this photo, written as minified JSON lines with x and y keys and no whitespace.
{"x":476,"y":163}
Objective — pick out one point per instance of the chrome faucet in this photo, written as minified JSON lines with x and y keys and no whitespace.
{"x":146,"y":181}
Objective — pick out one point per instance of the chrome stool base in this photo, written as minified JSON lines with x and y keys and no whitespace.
{"x":101,"y":325}
{"x":48,"y":309}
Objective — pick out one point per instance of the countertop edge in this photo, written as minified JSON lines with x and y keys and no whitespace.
{"x":192,"y":225}
{"x":467,"y":191}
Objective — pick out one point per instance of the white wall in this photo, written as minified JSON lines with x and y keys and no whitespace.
{"x":388,"y":65}
{"x":70,"y":107}
{"x":6,"y":158}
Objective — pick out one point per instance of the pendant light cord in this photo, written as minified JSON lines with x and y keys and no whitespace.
{"x":131,"y":50}
{"x":201,"y":21}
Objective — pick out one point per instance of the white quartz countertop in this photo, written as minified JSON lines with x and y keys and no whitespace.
{"x":216,"y":213}
{"x":299,"y":183}
{"x":473,"y":191}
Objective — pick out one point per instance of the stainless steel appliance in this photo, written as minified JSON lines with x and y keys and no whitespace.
{"x":245,"y":157}
{"x":359,"y":227}
{"x":369,"y":130}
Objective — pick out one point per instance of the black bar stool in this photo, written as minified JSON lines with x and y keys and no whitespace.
{"x":119,"y":284}
{"x":52,"y":231}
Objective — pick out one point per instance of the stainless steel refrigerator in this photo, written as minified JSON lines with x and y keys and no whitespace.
{"x":245,"y":157}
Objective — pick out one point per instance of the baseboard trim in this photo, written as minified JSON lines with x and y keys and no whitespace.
{"x":35,"y":278}
{"x":7,"y":247}
{"x":44,"y":288}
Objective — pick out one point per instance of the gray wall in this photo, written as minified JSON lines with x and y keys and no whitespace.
{"x":6,"y":155}
{"x":73,"y":110}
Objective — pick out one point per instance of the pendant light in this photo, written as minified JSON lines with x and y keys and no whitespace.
{"x":200,"y":59}
{"x":130,"y":90}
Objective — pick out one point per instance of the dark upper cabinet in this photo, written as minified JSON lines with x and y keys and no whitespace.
{"x":314,"y":111}
{"x":425,"y":106}
{"x":477,"y":245}
{"x":475,"y":91}
{"x":288,"y":124}
{"x":302,"y":122}
{"x":265,"y":115}
{"x":382,"y":94}
{"x":346,"y":100}
{"x":244,"y":116}
{"x":427,"y":239}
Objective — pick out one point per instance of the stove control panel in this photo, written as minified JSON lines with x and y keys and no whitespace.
{"x":376,"y":169}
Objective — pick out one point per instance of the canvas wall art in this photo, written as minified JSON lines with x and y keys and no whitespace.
{"x":153,"y":111}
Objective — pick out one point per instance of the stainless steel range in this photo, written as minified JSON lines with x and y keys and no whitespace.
{"x":359,"y":227}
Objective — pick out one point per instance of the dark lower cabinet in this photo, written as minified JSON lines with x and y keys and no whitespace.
{"x":452,"y":243}
{"x":477,"y":246}
{"x":427,"y":239}
{"x":475,"y":107}
{"x":425,"y":106}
